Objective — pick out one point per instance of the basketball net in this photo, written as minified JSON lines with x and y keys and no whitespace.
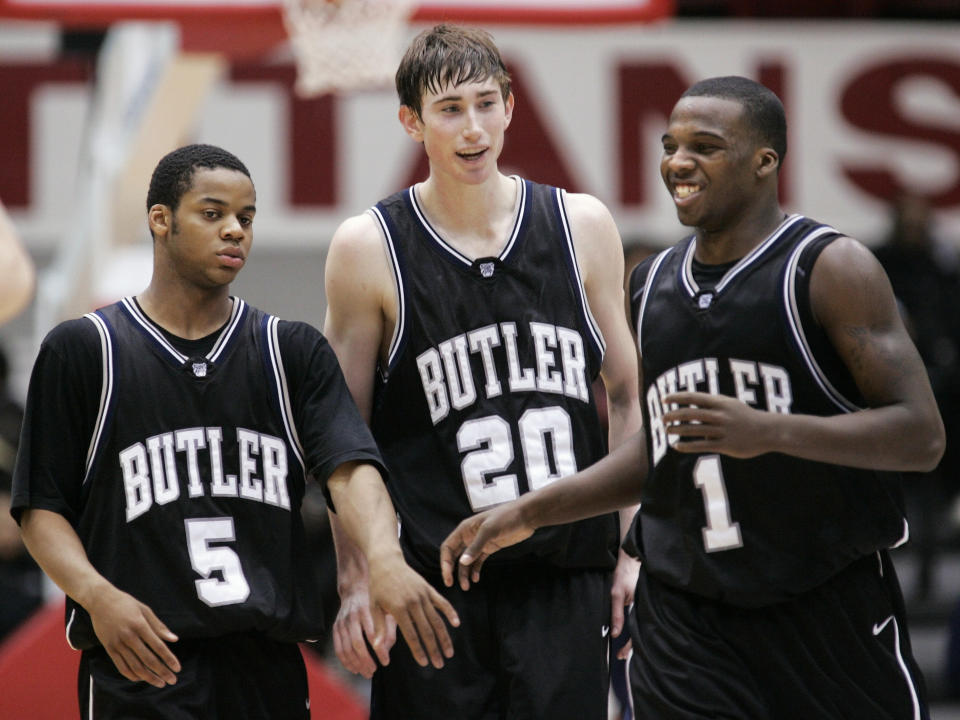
{"x":343,"y":45}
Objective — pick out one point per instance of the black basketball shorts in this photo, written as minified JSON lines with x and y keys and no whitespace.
{"x":236,"y":677}
{"x":532,"y":643}
{"x":838,"y":652}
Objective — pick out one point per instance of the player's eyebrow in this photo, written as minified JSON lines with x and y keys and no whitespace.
{"x":454,"y":97}
{"x":223,"y":203}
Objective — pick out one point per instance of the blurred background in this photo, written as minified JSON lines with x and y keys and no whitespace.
{"x":93,"y":93}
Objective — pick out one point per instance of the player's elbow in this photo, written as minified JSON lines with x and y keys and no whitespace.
{"x":930,"y":446}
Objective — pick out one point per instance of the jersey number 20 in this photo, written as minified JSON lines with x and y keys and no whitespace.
{"x":546,"y":438}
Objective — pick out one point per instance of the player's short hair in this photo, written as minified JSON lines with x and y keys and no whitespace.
{"x":448,"y":55}
{"x":173,"y":176}
{"x":762,"y":109}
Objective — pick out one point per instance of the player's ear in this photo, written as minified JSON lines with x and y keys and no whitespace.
{"x":768,"y":162}
{"x":411,"y":122}
{"x":508,"y":107}
{"x":160,"y":218}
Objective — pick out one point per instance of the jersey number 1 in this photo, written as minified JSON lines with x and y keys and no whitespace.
{"x":720,"y":533}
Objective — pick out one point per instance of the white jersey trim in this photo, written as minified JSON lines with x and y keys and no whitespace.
{"x":796,"y":326}
{"x":236,"y":312}
{"x":654,"y":270}
{"x":751,"y":257}
{"x":106,"y":390}
{"x":282,"y":389}
{"x":401,"y":324}
{"x":453,"y":252}
{"x":592,"y":325}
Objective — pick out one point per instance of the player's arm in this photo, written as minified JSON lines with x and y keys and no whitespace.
{"x":368,"y":518}
{"x":356,"y":278}
{"x":19,"y":274}
{"x":132,"y":635}
{"x":600,"y":256}
{"x":900,"y":429}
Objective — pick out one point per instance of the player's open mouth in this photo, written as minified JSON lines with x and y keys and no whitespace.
{"x":472,"y":155}
{"x":685,"y":190}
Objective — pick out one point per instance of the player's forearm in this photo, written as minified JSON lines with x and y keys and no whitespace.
{"x":351,"y":564}
{"x":608,"y":485}
{"x":365,"y":511}
{"x":57,"y":549}
{"x":625,"y":421}
{"x":892,"y":438}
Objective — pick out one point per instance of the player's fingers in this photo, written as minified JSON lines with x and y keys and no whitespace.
{"x":391,"y":629}
{"x":616,"y":617}
{"x":350,"y":648}
{"x":126,"y":656}
{"x":436,"y":619}
{"x":381,"y":640}
{"x":695,"y":446}
{"x":123,"y":668}
{"x":151,"y":665}
{"x":420,"y":614}
{"x":624,"y":652}
{"x":360,"y":656}
{"x":382,"y":633}
{"x":466,"y":569}
{"x":409,"y":631}
{"x":155,"y":641}
{"x":449,"y":551}
{"x":444,"y":606}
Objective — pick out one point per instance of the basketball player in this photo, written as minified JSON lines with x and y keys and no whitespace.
{"x":781,"y":394}
{"x":470,"y":313}
{"x":166,"y":445}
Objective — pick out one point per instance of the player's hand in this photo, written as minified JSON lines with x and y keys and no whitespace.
{"x":134,"y":638}
{"x":354,"y":626}
{"x":419,"y":610}
{"x":708,"y":423}
{"x":621,"y":593}
{"x":476,"y":538}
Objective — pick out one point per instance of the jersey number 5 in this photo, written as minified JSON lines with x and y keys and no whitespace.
{"x":223,"y":582}
{"x":546,"y":437}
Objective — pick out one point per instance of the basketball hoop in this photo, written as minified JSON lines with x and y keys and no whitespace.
{"x":342,"y":45}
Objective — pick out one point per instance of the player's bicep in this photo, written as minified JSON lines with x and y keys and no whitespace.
{"x":356,"y":280}
{"x":852,"y":299}
{"x":600,"y":256}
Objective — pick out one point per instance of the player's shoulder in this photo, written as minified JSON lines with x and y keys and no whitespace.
{"x":845,"y":258}
{"x":586,"y":208}
{"x":74,"y":334}
{"x":299,"y":334}
{"x":356,"y":239}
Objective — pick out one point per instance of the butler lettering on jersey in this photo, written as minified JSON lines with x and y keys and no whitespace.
{"x":759,"y":385}
{"x":449,"y":380}
{"x":150,"y":468}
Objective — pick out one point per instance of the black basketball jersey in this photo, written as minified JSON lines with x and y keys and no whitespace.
{"x":487,"y":392}
{"x":752,"y":531}
{"x":184,"y":475}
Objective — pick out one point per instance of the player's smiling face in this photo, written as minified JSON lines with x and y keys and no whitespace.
{"x":462,"y":128}
{"x":707,"y":161}
{"x":212,"y":229}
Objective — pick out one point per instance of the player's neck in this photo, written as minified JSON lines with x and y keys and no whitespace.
{"x":189,"y":313}
{"x":475,"y":219}
{"x":734,"y":241}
